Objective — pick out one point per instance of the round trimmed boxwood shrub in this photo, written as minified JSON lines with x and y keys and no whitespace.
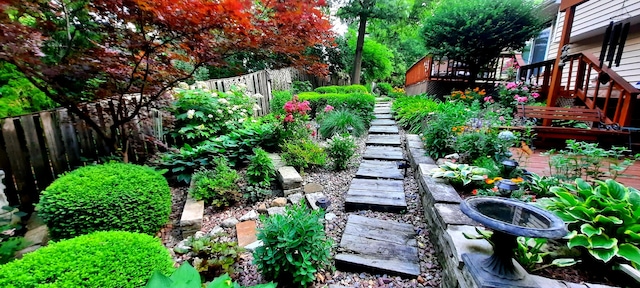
{"x":112,"y":196}
{"x":100,"y":259}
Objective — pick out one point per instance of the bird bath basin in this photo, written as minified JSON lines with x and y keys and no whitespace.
{"x":508,"y":219}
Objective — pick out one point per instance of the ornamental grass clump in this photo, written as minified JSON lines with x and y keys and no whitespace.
{"x":112,"y":196}
{"x":338,"y":122}
{"x":100,"y":259}
{"x":295,"y":246}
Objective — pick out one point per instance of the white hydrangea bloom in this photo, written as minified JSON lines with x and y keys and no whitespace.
{"x":190,"y":113}
{"x":183,"y":85}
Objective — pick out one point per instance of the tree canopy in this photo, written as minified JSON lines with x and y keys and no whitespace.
{"x":477,"y":31}
{"x":77,"y":51}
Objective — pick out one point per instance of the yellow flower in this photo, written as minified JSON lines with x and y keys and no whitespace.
{"x":517,"y":180}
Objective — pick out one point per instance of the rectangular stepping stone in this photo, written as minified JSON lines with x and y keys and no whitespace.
{"x":246,"y":232}
{"x":383,"y":116}
{"x":383,"y":153}
{"x":379,"y":246}
{"x":379,"y":169}
{"x":191,"y":219}
{"x":383,"y":122}
{"x":378,"y":195}
{"x":382,"y":110}
{"x":390,"y":140}
{"x":384,"y":130}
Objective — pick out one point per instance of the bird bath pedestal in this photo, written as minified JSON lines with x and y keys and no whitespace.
{"x":508,"y":219}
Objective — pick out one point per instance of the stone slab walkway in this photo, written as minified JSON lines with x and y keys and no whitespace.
{"x":379,"y":246}
{"x":386,"y":140}
{"x":383,"y":122}
{"x":383,"y":153}
{"x":379,"y":169}
{"x":384,"y":130}
{"x":378,"y":195}
{"x":383,"y":116}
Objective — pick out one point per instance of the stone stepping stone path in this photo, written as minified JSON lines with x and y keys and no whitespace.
{"x":373,"y":194}
{"x":383,"y":122}
{"x":382,"y":110}
{"x":385,"y":140}
{"x":383,"y":153}
{"x":379,"y":246}
{"x":379,"y":169}
{"x":383,"y":116}
{"x":384,"y":130}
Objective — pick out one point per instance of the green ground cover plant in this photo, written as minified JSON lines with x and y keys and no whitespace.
{"x":111,"y":196}
{"x":217,"y":187}
{"x":411,"y":111}
{"x":100,"y":259}
{"x":303,"y":154}
{"x":341,"y":149}
{"x":188,"y":277}
{"x":260,"y":171}
{"x":295,"y":246}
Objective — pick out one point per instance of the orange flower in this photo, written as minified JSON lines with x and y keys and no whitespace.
{"x":474,"y":192}
{"x":491,"y":181}
{"x":517,"y":180}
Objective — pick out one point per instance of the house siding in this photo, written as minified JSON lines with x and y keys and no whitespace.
{"x":590,"y":22}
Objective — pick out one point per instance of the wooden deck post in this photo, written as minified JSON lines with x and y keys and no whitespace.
{"x":569,"y":7}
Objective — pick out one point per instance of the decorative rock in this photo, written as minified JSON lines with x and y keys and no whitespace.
{"x":276,"y":210}
{"x":262,"y":209}
{"x":279,"y":202}
{"x":295,"y":198}
{"x":246,"y":232}
{"x":313,"y":188}
{"x":229,"y":222}
{"x":312,"y":198}
{"x":191,"y":219}
{"x":215,"y":231}
{"x":288,"y":192}
{"x":29,"y":249}
{"x":6,"y":217}
{"x":289,"y":178}
{"x":181,"y":247}
{"x":251,"y":215}
{"x":38,"y":235}
{"x":330,"y":216}
{"x":199,"y":234}
{"x":253,"y":246}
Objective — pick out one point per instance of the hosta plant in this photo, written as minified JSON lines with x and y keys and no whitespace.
{"x":603,"y":218}
{"x":462,"y":174}
{"x":187,"y":277}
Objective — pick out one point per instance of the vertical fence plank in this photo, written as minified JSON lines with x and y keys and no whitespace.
{"x":55,"y":145}
{"x":103,"y":148}
{"x":37,"y":153}
{"x":69,"y":138}
{"x":10,"y":191}
{"x":25,"y":183}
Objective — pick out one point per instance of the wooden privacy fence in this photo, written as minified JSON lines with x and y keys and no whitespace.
{"x":257,"y":82}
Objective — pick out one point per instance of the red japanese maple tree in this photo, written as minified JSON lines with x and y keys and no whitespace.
{"x":79,"y":51}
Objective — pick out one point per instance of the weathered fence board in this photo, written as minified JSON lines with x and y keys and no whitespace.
{"x":53,"y":139}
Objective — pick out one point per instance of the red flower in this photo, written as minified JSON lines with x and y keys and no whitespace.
{"x":474,"y":192}
{"x":289,"y":118}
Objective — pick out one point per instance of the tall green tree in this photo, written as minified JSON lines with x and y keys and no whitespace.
{"x":363,"y":11}
{"x":476,"y":31}
{"x":376,"y":58}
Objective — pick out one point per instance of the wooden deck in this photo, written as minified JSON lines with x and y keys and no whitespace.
{"x":539,"y":164}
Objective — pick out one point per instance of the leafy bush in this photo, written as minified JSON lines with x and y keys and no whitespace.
{"x":602,"y":218}
{"x":326,"y":89}
{"x":19,"y":96}
{"x":360,"y":103}
{"x":211,"y":256}
{"x":341,"y":149}
{"x":276,"y":104}
{"x":385,"y":89}
{"x":217,"y":187}
{"x":99,"y":259}
{"x":260,"y":171}
{"x":411,"y":111}
{"x":295,"y":246}
{"x":112,"y":196}
{"x":339,"y":121}
{"x":9,"y":243}
{"x":303,"y":154}
{"x":458,"y":174}
{"x":188,"y":277}
{"x":441,"y":127}
{"x":301,"y":86}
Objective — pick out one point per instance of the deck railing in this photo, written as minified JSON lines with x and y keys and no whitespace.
{"x":583,"y":78}
{"x":434,"y":68}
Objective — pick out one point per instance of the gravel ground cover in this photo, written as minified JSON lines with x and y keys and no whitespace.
{"x":335,"y":186}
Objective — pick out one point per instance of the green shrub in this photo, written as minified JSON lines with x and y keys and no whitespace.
{"x":211,"y":256}
{"x":301,"y":86}
{"x":217,"y":187}
{"x":295,"y":246}
{"x":352,"y":89}
{"x":260,"y":171}
{"x":326,"y":89}
{"x":411,"y":111}
{"x":338,"y":122}
{"x":341,"y":149}
{"x":360,"y":103}
{"x":188,"y":277}
{"x":279,"y":99}
{"x":385,"y":88}
{"x":112,"y":196}
{"x":99,"y":259}
{"x":303,"y":154}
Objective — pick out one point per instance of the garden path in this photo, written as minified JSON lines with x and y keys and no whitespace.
{"x":370,"y":244}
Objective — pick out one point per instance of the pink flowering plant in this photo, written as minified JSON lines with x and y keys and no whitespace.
{"x":296,"y":119}
{"x":511,"y":94}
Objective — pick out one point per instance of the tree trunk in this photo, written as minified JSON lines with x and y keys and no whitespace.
{"x":357,"y":65}
{"x":474,"y":69}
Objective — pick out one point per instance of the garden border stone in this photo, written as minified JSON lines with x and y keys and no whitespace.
{"x":191,"y":218}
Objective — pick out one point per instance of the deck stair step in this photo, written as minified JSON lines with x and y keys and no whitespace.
{"x":378,"y":246}
{"x":374,"y":194}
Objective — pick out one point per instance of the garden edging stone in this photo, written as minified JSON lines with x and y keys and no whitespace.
{"x":192,"y":215}
{"x":289,"y":178}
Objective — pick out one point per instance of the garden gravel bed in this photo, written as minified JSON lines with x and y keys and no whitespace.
{"x":335,"y":186}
